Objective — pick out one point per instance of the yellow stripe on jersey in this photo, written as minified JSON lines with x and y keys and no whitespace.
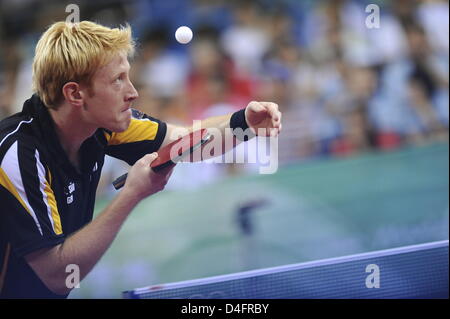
{"x":49,"y":176}
{"x":6,"y":183}
{"x":51,"y":201}
{"x":5,"y":266}
{"x":139,"y":130}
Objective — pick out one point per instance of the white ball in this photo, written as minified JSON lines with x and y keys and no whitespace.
{"x":183,"y":34}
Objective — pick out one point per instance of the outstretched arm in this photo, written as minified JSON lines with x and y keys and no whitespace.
{"x":85,"y":247}
{"x":261,"y":118}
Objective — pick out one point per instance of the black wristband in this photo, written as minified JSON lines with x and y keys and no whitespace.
{"x":239,"y":125}
{"x":238,"y":120}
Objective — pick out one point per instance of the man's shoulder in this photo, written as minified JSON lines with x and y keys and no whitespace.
{"x":14,"y":128}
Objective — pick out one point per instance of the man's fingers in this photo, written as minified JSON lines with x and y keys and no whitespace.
{"x":273,"y":115}
{"x":269,"y":131}
{"x":151,"y":157}
{"x":274,"y":132}
{"x":147,"y":159}
{"x":272,"y":109}
{"x":279,"y":121}
{"x":256,"y":106}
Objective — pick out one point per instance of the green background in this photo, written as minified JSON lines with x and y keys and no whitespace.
{"x":316,"y":210}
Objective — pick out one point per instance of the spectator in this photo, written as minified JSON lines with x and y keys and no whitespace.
{"x":344,"y":88}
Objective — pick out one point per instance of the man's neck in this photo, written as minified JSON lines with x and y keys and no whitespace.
{"x":71,"y":131}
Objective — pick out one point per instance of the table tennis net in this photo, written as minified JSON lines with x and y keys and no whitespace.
{"x":418,"y":271}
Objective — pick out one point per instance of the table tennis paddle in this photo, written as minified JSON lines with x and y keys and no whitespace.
{"x":167,"y":156}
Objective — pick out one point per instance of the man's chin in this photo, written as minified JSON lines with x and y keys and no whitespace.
{"x":120,"y":127}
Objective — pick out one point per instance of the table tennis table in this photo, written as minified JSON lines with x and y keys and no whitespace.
{"x":417,"y":271}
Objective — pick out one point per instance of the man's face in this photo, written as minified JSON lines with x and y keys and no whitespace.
{"x":112,"y":93}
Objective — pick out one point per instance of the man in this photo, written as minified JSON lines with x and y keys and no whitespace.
{"x":52,"y":152}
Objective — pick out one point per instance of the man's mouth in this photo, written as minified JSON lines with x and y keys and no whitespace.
{"x":126,"y":108}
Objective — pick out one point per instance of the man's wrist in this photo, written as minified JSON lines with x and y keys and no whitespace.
{"x":129,"y":198}
{"x":239,"y":126}
{"x":237,"y":120}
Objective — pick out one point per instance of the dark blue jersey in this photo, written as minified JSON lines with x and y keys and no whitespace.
{"x":43,"y":197}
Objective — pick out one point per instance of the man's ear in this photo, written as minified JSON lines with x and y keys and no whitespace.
{"x":72,"y":94}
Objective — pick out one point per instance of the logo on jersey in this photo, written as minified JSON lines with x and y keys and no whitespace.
{"x":69,"y":189}
{"x":137,"y":114}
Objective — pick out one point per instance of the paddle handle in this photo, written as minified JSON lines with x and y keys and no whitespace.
{"x":120,"y":181}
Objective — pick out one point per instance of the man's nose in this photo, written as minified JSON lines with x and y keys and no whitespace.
{"x":133,"y":94}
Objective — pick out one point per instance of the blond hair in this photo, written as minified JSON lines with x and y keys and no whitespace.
{"x":69,"y":52}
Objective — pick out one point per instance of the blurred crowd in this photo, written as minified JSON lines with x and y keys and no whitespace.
{"x":343,"y":88}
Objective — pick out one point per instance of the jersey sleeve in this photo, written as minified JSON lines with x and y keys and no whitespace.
{"x":29,"y":217}
{"x":144,"y":136}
